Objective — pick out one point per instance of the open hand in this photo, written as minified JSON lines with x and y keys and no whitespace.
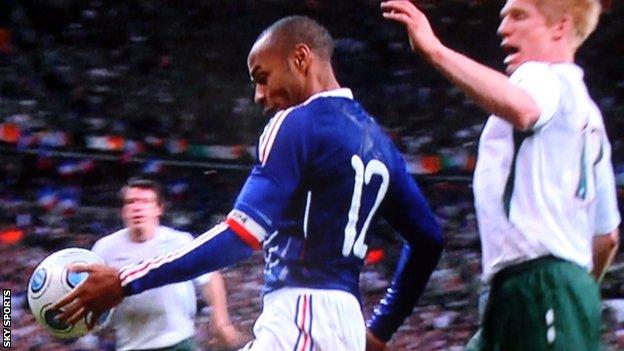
{"x":421,"y":36}
{"x":100,"y":292}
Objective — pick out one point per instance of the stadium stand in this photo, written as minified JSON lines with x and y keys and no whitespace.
{"x":92,"y":92}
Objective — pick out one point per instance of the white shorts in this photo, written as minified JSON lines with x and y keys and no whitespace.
{"x":299,"y":319}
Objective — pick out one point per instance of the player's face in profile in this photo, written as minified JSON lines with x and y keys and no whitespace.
{"x":141,"y":211}
{"x":277,"y":85}
{"x":526,"y":35}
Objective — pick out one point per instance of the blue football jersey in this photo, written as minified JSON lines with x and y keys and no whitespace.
{"x":325,"y":170}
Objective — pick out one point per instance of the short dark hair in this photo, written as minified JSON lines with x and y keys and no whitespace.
{"x":143,"y":183}
{"x":293,"y":30}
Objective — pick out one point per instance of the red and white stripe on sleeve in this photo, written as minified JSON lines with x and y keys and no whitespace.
{"x":246,"y":228}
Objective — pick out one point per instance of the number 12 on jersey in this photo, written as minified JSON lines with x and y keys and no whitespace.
{"x":363,"y":175}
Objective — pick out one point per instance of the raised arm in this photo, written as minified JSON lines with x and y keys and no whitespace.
{"x":487,"y":87}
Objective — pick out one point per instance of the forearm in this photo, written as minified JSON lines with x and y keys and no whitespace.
{"x":604,"y":248}
{"x":415,"y":266}
{"x":215,"y":249}
{"x":215,"y":295}
{"x":489,"y":88}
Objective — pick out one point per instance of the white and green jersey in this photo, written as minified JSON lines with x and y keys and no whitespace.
{"x":159,"y":317}
{"x":548,"y":190}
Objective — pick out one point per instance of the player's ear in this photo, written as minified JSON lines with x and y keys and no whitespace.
{"x":301,"y":57}
{"x":563,"y":27}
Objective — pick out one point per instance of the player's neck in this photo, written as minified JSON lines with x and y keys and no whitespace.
{"x":324,"y":81}
{"x":140,"y":235}
{"x":559,"y":51}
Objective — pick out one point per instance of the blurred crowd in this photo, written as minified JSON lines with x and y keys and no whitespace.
{"x":93,"y":92}
{"x":169,"y":78}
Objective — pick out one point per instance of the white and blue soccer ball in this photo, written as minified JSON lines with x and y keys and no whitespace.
{"x":51,"y":281}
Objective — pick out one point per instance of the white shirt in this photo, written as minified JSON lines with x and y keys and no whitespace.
{"x":562,"y":191}
{"x":158,"y":317}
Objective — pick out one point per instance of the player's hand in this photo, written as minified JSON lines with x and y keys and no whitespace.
{"x":373,"y":343}
{"x":421,"y":36}
{"x":229,"y":337}
{"x":97,"y":294}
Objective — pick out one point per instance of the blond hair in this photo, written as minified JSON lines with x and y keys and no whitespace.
{"x":584,"y":15}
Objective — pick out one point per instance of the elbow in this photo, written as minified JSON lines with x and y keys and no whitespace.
{"x":608,"y":242}
{"x":428,"y":243}
{"x":614,"y":239}
{"x":526,"y":119}
{"x":431,"y":233}
{"x":438,"y":242}
{"x":435,"y":236}
{"x":439,"y":248}
{"x":523,"y":110}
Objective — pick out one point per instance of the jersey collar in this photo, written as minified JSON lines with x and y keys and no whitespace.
{"x":570,"y":68}
{"x":340,"y":92}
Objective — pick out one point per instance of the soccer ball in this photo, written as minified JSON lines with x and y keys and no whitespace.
{"x":51,"y":281}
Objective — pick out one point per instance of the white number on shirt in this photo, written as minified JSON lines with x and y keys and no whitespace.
{"x":363,"y":176}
